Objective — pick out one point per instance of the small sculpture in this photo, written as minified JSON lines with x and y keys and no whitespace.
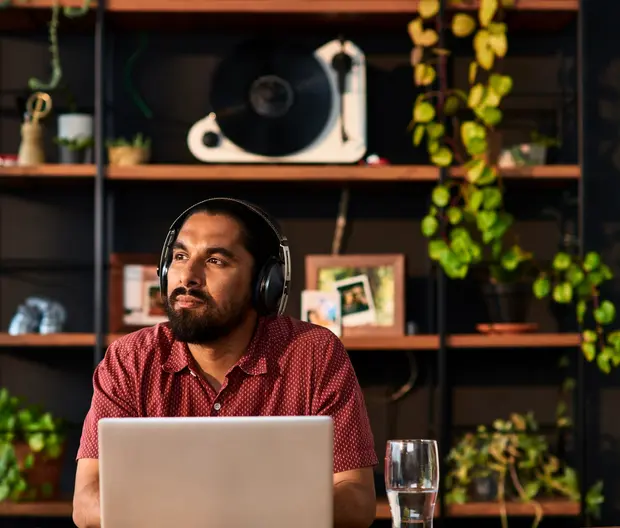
{"x":38,"y":315}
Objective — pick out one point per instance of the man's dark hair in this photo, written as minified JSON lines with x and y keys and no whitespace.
{"x":257,"y":237}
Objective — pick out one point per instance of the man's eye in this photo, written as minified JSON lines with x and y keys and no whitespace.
{"x":214,"y":260}
{"x":178,"y":256}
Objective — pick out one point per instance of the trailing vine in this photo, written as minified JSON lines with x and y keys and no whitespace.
{"x":467,"y":222}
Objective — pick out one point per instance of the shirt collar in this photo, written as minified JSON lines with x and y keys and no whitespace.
{"x":253,"y":362}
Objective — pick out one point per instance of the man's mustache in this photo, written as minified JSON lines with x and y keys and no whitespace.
{"x":197,"y":294}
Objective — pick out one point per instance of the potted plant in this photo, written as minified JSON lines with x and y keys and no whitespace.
{"x":75,"y":151}
{"x":511,"y":461}
{"x":467,"y":223}
{"x":123,"y":153}
{"x":536,"y":152}
{"x":32,"y":445}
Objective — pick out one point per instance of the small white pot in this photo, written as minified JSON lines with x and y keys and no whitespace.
{"x":73,"y":126}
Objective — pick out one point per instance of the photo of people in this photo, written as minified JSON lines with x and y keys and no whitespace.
{"x":357,"y":303}
{"x":323,"y":309}
{"x":142,"y":304}
{"x":377,"y":291}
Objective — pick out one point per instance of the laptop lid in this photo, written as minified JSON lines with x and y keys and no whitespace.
{"x":229,"y":472}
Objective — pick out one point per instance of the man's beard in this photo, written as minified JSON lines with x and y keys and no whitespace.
{"x":208,"y":322}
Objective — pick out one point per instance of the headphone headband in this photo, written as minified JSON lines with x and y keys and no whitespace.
{"x":278,"y":272}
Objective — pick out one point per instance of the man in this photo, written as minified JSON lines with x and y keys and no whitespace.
{"x":218,"y":356}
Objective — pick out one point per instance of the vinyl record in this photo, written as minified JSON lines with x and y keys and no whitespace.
{"x":271,"y":99}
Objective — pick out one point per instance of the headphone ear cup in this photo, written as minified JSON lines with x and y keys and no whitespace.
{"x":269,"y":287}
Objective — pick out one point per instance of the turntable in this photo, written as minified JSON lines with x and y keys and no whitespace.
{"x":277,"y":103}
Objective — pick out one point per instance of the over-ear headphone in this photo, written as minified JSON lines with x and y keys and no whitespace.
{"x":273,"y":280}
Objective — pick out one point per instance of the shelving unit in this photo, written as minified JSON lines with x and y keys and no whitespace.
{"x":442,"y":343}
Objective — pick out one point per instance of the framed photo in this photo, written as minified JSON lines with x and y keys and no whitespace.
{"x":371,"y":289}
{"x":134,"y":292}
{"x":323,"y":309}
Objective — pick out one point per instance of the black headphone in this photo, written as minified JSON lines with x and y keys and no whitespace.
{"x":273,"y":279}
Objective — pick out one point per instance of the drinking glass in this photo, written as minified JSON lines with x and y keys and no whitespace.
{"x":412,"y":482}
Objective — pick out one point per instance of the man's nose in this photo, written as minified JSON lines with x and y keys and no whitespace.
{"x":193,"y":274}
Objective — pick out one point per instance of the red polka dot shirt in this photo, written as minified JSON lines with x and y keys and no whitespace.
{"x":291,"y":368}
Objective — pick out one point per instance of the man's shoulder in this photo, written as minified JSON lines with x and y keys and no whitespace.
{"x":143,"y":343}
{"x":292,"y":332}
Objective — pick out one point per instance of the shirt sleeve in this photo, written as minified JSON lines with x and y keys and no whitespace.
{"x":338,"y":394}
{"x":113,"y":397}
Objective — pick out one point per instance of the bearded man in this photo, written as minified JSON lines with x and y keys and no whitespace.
{"x":227,"y":350}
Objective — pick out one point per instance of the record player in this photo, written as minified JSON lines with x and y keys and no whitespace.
{"x":279,"y":103}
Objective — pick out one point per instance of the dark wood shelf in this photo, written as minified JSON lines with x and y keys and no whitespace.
{"x":414,"y":342}
{"x":61,"y":508}
{"x":559,"y":508}
{"x":276,"y":173}
{"x":551,"y":507}
{"x":288,"y":6}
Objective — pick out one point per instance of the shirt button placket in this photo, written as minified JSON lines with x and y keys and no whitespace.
{"x":217,"y":406}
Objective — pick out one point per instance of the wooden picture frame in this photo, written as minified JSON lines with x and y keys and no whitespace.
{"x":382,"y":313}
{"x":133,"y":279}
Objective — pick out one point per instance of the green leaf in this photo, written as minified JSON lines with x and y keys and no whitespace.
{"x":581,"y":310}
{"x":429,"y":226}
{"x":563,"y":293}
{"x":435,"y":130}
{"x":470,"y":131}
{"x":492,"y":198}
{"x":589,"y":350}
{"x":501,"y":84}
{"x":475,"y":200}
{"x":423,"y":112}
{"x":452,"y":105}
{"x":441,"y":196}
{"x":418,"y":134}
{"x":455,"y":215}
{"x":603,"y":363}
{"x":561,"y":261}
{"x":436,"y":248}
{"x":473,"y":70}
{"x":531,"y":489}
{"x":442,"y":158}
{"x":476,"y":94}
{"x":591,"y":261}
{"x":477,"y":146}
{"x":486,"y":219}
{"x":589,"y":336}
{"x":605,"y":313}
{"x":541,"y":287}
{"x":490,"y":115}
{"x":574,"y":275}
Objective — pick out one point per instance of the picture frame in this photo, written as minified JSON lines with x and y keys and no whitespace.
{"x":322,"y":308}
{"x":372,"y":288}
{"x":134,"y":292}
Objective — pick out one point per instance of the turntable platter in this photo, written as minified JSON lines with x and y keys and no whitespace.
{"x":271,"y":99}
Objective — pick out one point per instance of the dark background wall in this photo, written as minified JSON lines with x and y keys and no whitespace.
{"x":46,"y":228}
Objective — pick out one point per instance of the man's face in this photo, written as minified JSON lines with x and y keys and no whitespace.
{"x":209,"y":279}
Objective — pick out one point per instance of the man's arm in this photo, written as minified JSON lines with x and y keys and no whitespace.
{"x":86,"y":497}
{"x":113,"y":397}
{"x":338,"y":394}
{"x":354,"y":498}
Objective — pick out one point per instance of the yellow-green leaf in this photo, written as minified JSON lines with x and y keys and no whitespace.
{"x":463,"y":25}
{"x":589,"y":350}
{"x":420,"y":36}
{"x":429,"y":38}
{"x":474,"y":171}
{"x":418,"y":134}
{"x":435,"y":130}
{"x":428,"y":8}
{"x":491,"y":116}
{"x":451,"y":106}
{"x":487,"y":11}
{"x":424,"y":74}
{"x":442,"y":158}
{"x":499,"y":44}
{"x":502,"y":84}
{"x":473,"y":70}
{"x":470,"y":130}
{"x":475,"y":95}
{"x":423,"y":112}
{"x":416,"y":55}
{"x":485,"y":58}
{"x":415,"y":29}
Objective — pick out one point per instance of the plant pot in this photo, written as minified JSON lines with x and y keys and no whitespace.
{"x":507,"y":302}
{"x":127,"y":156}
{"x":45,"y":474}
{"x":73,"y":157}
{"x":73,"y":126}
{"x":484,"y":489}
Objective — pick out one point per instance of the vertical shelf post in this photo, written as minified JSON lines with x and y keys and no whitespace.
{"x":99,"y":205}
{"x":445,"y":395}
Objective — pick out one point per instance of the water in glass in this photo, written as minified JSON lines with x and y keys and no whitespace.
{"x":412,"y":482}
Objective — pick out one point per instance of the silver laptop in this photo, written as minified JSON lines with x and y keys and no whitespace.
{"x":237,"y":472}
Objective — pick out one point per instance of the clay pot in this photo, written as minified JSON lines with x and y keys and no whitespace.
{"x":44,"y":473}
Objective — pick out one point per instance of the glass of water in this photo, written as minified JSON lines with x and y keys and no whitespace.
{"x":412,"y":481}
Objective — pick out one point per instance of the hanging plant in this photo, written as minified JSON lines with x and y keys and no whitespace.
{"x":467,"y":223}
